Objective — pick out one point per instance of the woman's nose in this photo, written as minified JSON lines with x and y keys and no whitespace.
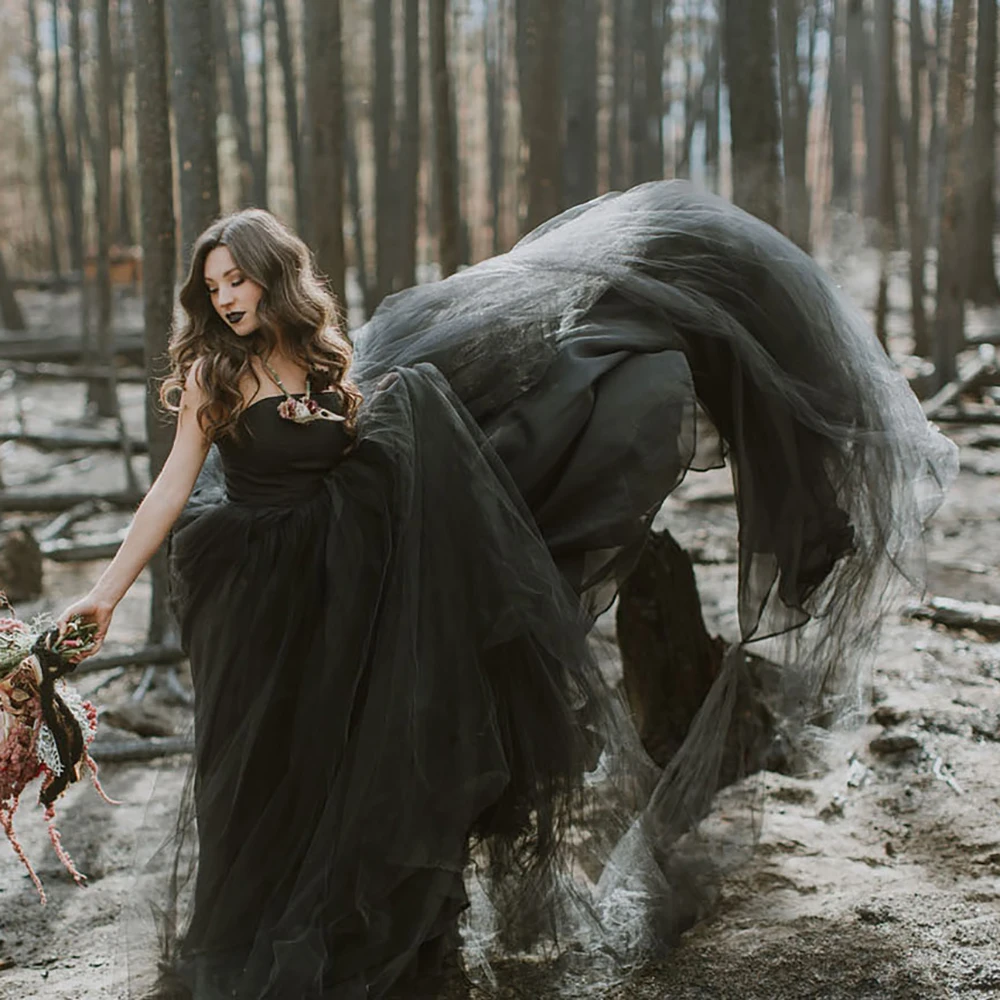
{"x":225,"y":296}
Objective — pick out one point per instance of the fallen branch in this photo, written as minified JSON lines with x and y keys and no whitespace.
{"x":53,"y":371}
{"x":68,"y":439}
{"x":67,"y":519}
{"x":31,"y":501}
{"x":977,"y":375}
{"x":981,"y":618}
{"x":63,"y":550}
{"x":141,"y":657}
{"x":143,"y":749}
{"x":980,"y":415}
{"x":69,"y":350}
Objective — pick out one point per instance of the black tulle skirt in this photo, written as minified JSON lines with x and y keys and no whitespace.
{"x":392,"y":675}
{"x":381,"y":672}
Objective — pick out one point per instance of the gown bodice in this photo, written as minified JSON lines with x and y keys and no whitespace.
{"x":273,"y":461}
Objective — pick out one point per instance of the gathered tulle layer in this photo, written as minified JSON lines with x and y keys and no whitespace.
{"x":587,"y":353}
{"x":379,"y":671}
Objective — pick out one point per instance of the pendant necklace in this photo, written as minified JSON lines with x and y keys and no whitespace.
{"x":300,"y":411}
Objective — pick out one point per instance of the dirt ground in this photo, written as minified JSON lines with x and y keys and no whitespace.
{"x":879,"y":879}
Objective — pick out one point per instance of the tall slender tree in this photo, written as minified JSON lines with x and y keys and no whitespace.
{"x":263,"y":157}
{"x":748,"y":39}
{"x":101,"y":394}
{"x":542,"y":109}
{"x":494,"y":52}
{"x":290,"y":90}
{"x":445,"y":141}
{"x":193,"y":97}
{"x":83,"y":148}
{"x":353,"y":178}
{"x":11,"y":316}
{"x":885,"y":34}
{"x":384,"y":130}
{"x":621,"y":72}
{"x":122,"y":67}
{"x":712,"y":95}
{"x":227,"y":30}
{"x":42,"y":136}
{"x":795,"y":100}
{"x":409,"y":151}
{"x":325,"y":124}
{"x":73,"y":206}
{"x":159,"y":251}
{"x":915,"y":188}
{"x":949,"y":318}
{"x":580,"y":74}
{"x":982,"y":266}
{"x":841,"y":101}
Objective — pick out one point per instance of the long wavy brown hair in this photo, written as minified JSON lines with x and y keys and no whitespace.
{"x":294,"y":306}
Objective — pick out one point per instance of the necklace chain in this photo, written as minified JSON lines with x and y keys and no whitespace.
{"x":281,"y":385}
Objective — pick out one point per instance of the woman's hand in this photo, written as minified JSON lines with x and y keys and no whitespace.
{"x":89,"y":609}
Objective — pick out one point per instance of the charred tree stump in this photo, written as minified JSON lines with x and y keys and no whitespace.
{"x":669,"y":663}
{"x":20,"y":565}
{"x":669,"y":660}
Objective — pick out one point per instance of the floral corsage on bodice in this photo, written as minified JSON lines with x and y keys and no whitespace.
{"x":300,"y":411}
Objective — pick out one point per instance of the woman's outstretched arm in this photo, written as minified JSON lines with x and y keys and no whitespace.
{"x":154,"y":518}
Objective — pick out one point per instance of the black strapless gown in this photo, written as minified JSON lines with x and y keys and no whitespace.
{"x":388,"y":641}
{"x":385,"y":660}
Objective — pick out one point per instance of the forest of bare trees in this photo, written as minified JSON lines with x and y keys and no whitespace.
{"x":406,"y":138}
{"x":401,"y":135}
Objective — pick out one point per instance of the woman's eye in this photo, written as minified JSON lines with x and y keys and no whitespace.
{"x":213,"y":291}
{"x":237,"y":281}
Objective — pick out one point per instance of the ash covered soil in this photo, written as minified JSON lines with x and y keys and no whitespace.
{"x":878,"y":878}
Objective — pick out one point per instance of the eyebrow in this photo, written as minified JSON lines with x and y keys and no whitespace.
{"x":230,"y":271}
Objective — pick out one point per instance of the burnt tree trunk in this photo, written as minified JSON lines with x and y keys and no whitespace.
{"x":915,"y":188}
{"x":494,"y":52}
{"x":620,"y":88}
{"x":949,"y":318}
{"x":841,"y":112}
{"x":123,"y":53}
{"x":580,"y":66}
{"x":668,"y":658}
{"x":20,"y":566}
{"x":101,"y":394}
{"x":794,"y":122}
{"x":83,"y":147}
{"x":541,"y":109}
{"x":748,"y":27}
{"x":886,"y":202}
{"x":290,"y":91}
{"x":73,"y":205}
{"x":351,"y":172}
{"x":445,"y":141}
{"x":194,"y":102}
{"x":41,"y":133}
{"x":935,"y":145}
{"x":712,"y":108}
{"x":409,"y":151}
{"x":159,"y":252}
{"x":383,"y":119}
{"x":325,"y":109}
{"x":263,"y":154}
{"x":10,"y":312}
{"x":982,"y":285}
{"x":227,"y":17}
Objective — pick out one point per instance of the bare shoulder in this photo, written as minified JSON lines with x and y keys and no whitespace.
{"x":195,"y":393}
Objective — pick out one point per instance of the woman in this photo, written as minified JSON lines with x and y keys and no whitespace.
{"x":385,"y":603}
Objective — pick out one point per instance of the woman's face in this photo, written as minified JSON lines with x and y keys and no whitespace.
{"x":234,"y":296}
